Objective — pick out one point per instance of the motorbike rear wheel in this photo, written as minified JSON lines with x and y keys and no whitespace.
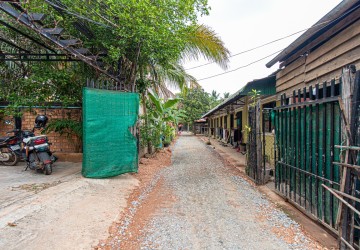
{"x":13,"y":158}
{"x":48,"y":169}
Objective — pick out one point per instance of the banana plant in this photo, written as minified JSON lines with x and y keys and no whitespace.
{"x":162,"y":116}
{"x":163,"y":110}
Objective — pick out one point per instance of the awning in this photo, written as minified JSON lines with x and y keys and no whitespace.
{"x":266,"y":86}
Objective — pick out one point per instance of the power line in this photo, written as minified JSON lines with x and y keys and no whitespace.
{"x":248,"y":50}
{"x":281,"y":38}
{"x":254,"y":48}
{"x":244,"y":66}
{"x":227,"y":72}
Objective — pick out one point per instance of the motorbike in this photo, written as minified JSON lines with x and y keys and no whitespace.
{"x":36,"y":149}
{"x":38,"y":154}
{"x":10,"y":146}
{"x":10,"y":150}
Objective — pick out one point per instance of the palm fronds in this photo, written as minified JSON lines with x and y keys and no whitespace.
{"x":203,"y":41}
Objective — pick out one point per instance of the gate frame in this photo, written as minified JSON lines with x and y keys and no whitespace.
{"x":300,"y":169}
{"x":255,"y":167}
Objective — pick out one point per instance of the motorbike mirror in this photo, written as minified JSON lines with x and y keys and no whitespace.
{"x":8,"y":122}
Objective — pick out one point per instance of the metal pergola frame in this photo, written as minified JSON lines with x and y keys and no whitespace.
{"x":58,"y":50}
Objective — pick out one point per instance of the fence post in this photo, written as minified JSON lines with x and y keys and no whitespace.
{"x":346,"y":231}
{"x":259,"y":156}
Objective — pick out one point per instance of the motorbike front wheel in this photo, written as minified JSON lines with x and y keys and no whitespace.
{"x":13,"y":157}
{"x":48,"y":169}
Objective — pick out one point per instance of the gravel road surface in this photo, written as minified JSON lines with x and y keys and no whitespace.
{"x":215,"y":208}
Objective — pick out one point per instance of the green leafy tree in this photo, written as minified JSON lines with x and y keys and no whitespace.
{"x":146,"y":37}
{"x":195,"y":103}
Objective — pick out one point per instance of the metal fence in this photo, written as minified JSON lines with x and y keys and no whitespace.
{"x":307,"y":128}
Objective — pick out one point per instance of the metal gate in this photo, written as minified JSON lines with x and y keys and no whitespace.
{"x":109,"y":118}
{"x":307,"y":128}
{"x":255,"y":168}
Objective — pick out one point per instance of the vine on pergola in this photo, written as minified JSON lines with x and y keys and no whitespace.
{"x":144,"y":39}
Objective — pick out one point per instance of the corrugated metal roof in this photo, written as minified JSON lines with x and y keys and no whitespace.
{"x":266,"y":86}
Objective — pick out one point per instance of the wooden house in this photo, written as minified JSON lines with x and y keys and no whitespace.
{"x":316,"y":89}
{"x":322,"y":52}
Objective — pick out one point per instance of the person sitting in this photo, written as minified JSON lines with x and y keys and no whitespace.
{"x":179,"y":128}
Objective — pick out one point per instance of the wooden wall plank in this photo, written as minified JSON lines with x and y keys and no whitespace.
{"x":331,"y":32}
{"x":289,"y":91}
{"x":292,"y":67}
{"x":293,"y":77}
{"x":293,"y":82}
{"x":339,"y":39}
{"x":339,"y":62}
{"x":325,"y":62}
{"x":343,"y":42}
{"x":333,"y":54}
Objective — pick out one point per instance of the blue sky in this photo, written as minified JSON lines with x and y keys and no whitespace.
{"x":243,"y":25}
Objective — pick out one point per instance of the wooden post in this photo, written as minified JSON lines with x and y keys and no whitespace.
{"x":259,"y":156}
{"x":345,"y":109}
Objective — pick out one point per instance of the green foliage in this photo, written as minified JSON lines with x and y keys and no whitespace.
{"x":158,"y":29}
{"x":149,"y":38}
{"x":45,"y":83}
{"x":143,"y":85}
{"x":254,"y":97}
{"x":169,"y":132}
{"x":203,"y":41}
{"x":215,"y":95}
{"x":65,"y":127}
{"x":226,"y":95}
{"x":195,"y":103}
{"x":159,"y":121}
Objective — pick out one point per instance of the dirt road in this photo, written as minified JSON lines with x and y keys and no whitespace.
{"x":60,"y":211}
{"x":200,"y":203}
{"x":196,"y":202}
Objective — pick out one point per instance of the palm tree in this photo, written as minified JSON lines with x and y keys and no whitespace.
{"x":201,"y":41}
{"x":215,"y":95}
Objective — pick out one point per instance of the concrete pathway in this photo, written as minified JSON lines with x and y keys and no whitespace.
{"x":60,"y":211}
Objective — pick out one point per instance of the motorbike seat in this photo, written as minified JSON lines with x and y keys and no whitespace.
{"x":2,"y":139}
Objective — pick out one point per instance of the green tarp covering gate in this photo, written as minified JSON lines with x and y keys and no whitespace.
{"x":109,"y":148}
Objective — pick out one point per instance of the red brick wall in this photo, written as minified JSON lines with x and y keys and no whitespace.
{"x":59,"y":143}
